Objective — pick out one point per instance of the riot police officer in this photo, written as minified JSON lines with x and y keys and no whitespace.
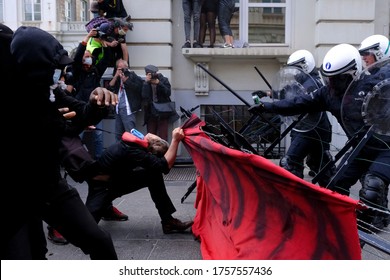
{"x":311,"y":137}
{"x":341,"y":65}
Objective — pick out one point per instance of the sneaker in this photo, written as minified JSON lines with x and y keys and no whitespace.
{"x":197,"y":45}
{"x":55,"y":237}
{"x":113,"y":214}
{"x":175,"y":225}
{"x":186,"y":45}
{"x":227,"y":46}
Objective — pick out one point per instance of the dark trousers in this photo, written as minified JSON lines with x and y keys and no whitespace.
{"x":158,"y":126}
{"x":100,"y":193}
{"x":66,"y":212}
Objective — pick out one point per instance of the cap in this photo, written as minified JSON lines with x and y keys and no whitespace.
{"x":151,"y":68}
{"x":94,"y":7}
{"x":104,"y":28}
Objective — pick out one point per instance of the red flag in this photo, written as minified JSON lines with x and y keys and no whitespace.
{"x":249,"y":208}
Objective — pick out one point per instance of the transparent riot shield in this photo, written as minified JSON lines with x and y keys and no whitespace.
{"x":291,"y":82}
{"x":366,"y":104}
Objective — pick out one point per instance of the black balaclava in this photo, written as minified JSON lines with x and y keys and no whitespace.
{"x":37,"y":50}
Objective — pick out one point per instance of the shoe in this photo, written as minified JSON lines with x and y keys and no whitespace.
{"x":113,"y":214}
{"x":55,"y":237}
{"x":197,"y":45}
{"x":175,"y":225}
{"x":227,"y":46}
{"x":211,"y":46}
{"x":186,"y":45}
{"x":371,"y":222}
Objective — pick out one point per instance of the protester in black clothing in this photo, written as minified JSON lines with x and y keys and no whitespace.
{"x":341,"y":65}
{"x":156,"y":88}
{"x":41,"y":192}
{"x":133,"y":164}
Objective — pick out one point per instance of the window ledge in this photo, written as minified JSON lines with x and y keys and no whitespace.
{"x":207,"y":54}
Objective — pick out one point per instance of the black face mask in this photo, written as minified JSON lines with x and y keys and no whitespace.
{"x":340,"y":83}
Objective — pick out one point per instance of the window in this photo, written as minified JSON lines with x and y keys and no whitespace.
{"x":32,"y":10}
{"x":1,"y":11}
{"x":262,"y":21}
{"x":83,"y":11}
{"x":272,"y":10}
{"x":68,"y":10}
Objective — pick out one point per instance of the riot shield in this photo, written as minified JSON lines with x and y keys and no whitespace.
{"x":366,"y":103}
{"x":291,"y":82}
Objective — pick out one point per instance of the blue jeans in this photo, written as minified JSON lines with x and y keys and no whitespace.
{"x":191,"y":8}
{"x":97,"y":138}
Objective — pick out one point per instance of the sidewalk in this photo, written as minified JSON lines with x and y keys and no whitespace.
{"x":141,"y":237}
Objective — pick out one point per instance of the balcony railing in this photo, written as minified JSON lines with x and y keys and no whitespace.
{"x":72,"y":26}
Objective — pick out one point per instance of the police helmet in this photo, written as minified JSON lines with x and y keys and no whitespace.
{"x":302,"y":59}
{"x":342,"y":59}
{"x":378,"y":45}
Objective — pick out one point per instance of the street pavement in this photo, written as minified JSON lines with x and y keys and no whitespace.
{"x":141,"y":237}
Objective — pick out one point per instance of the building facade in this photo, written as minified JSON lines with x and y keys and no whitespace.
{"x":266,"y":33}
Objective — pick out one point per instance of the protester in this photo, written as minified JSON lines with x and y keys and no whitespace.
{"x":341,"y":65}
{"x":51,"y":199}
{"x":133,"y":164}
{"x":191,"y":10}
{"x":156,"y":88}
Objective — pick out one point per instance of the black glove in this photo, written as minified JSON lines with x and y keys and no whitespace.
{"x":257,"y":108}
{"x":260,"y":93}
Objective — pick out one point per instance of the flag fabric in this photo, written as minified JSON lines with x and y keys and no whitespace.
{"x":248,"y":208}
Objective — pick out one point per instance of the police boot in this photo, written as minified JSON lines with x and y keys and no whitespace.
{"x":374,"y":194}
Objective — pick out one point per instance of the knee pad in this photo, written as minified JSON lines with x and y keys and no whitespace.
{"x":373,"y":191}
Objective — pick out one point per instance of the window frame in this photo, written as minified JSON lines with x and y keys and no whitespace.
{"x":34,"y":13}
{"x":1,"y":10}
{"x":245,"y":5}
{"x":83,"y":10}
{"x":68,"y":10}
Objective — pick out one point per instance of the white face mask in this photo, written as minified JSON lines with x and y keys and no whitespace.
{"x":121,"y":32}
{"x":88,"y":60}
